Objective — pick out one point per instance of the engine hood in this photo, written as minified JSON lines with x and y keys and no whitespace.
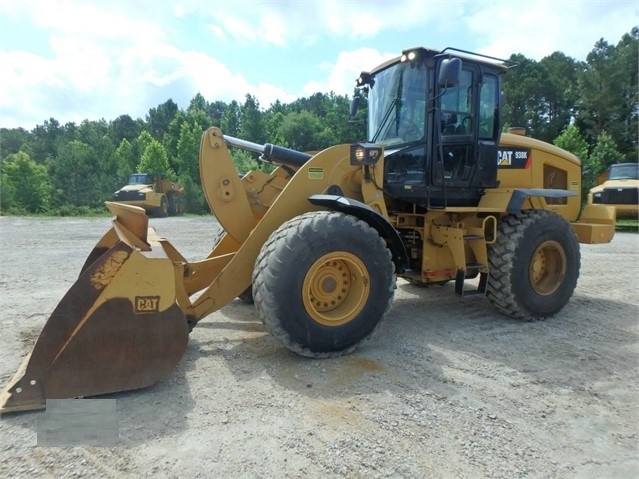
{"x":140,"y":188}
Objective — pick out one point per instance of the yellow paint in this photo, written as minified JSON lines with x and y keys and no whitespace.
{"x":108,"y":269}
{"x":336,"y":288}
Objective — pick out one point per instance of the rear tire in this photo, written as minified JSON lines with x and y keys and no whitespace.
{"x":323,"y":283}
{"x":534,"y":265}
{"x":174,"y":206}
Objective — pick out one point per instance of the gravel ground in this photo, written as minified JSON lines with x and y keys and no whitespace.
{"x":447,"y":388}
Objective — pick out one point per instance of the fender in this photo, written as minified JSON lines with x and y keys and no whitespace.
{"x":367,"y":214}
{"x":520,"y":194}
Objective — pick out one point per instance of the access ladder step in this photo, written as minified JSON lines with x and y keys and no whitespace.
{"x":459,"y":284}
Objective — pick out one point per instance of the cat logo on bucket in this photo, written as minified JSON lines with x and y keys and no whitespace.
{"x":147,"y":304}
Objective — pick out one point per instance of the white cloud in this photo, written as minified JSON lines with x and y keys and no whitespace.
{"x":97,"y":20}
{"x":365,"y":19}
{"x":537,"y":29}
{"x":275,"y":23}
{"x":103,"y":59}
{"x":217,"y":31}
{"x":85,"y":66}
{"x":343,"y":73}
{"x":303,"y":22}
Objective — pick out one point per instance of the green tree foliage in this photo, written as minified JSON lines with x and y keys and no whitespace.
{"x":230,"y":121}
{"x":598,"y":90}
{"x":45,"y":141}
{"x":143,"y":140}
{"x":198,"y":118}
{"x":125,"y":160}
{"x":12,"y":140}
{"x":70,"y":131}
{"x":572,"y":141}
{"x":244,"y":162}
{"x":172,"y":136}
{"x":197,"y":103}
{"x":608,"y":94}
{"x":73,"y":176}
{"x":188,"y":151}
{"x":302,"y":131}
{"x":252,"y":127}
{"x":187,"y":159}
{"x":154,"y":160}
{"x":7,"y":191}
{"x":523,"y":87}
{"x":193,"y":199}
{"x":624,"y":131}
{"x":158,"y":119}
{"x":123,"y":128}
{"x":274,"y":121}
{"x":25,"y":184}
{"x":215,"y":112}
{"x":604,"y":154}
{"x":558,"y":97}
{"x":338,"y":127}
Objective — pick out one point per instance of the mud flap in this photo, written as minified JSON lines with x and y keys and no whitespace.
{"x":118,"y":328}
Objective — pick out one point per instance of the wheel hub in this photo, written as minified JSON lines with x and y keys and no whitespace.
{"x":547,"y":268}
{"x":336,"y":288}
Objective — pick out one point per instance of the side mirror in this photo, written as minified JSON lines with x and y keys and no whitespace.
{"x":449,"y":72}
{"x":354,"y":107}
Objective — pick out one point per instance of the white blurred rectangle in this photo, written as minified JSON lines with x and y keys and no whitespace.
{"x":78,"y":422}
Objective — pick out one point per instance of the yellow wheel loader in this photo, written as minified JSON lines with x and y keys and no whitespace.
{"x":436,"y":194}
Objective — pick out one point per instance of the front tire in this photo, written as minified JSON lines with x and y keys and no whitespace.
{"x":323,"y":283}
{"x":534,"y":265}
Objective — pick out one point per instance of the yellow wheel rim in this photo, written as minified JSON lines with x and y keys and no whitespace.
{"x":336,"y":288}
{"x":547,"y":268}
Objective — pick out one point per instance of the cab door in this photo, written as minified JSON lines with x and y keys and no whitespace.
{"x":458,"y":145}
{"x":464,"y":149}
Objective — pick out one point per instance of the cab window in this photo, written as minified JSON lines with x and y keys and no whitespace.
{"x":456,"y":106}
{"x":488,"y":107}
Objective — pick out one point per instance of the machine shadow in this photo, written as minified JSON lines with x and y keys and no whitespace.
{"x":410,"y":354}
{"x":425,"y":328}
{"x":143,"y":414}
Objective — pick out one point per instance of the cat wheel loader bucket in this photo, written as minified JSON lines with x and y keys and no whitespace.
{"x":124,"y":324}
{"x":118,"y":328}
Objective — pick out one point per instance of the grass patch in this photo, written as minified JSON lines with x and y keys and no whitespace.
{"x":631,"y":226}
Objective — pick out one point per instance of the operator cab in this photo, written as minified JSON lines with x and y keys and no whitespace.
{"x":437,"y":115}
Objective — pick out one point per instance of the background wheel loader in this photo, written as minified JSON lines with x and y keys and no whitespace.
{"x":436,"y":194}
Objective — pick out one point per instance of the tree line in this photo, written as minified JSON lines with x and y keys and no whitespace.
{"x":587,"y":107}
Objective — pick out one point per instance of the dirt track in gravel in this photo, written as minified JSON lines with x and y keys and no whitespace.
{"x":447,"y":388}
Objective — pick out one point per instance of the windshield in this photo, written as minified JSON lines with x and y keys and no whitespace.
{"x":140,"y":179}
{"x":397,"y":104}
{"x":624,"y":172}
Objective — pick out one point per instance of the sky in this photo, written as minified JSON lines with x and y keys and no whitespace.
{"x":99,"y":59}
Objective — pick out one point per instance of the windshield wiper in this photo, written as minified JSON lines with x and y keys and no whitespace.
{"x":396,"y":103}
